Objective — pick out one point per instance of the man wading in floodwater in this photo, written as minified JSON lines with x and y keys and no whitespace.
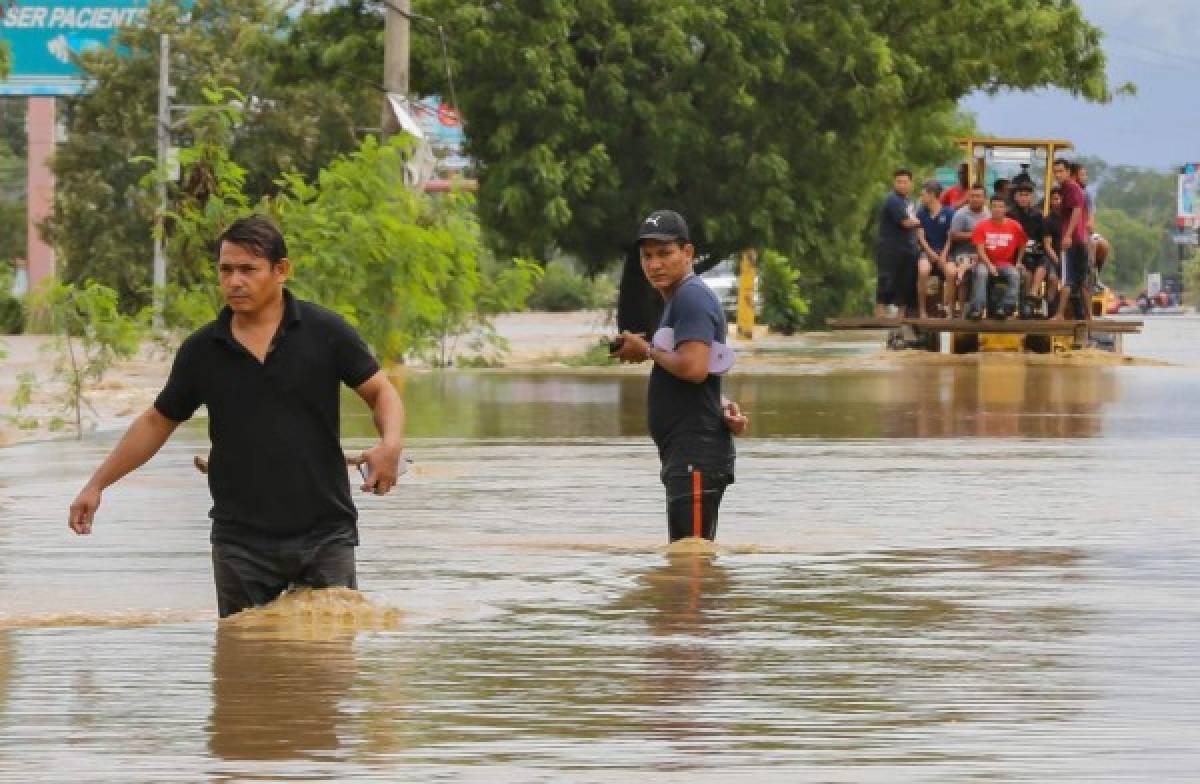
{"x":269,"y":370}
{"x":692,"y":425}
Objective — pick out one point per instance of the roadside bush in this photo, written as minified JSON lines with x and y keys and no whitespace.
{"x":12,"y":315}
{"x":783,"y":309}
{"x":12,"y":312}
{"x":561,"y":289}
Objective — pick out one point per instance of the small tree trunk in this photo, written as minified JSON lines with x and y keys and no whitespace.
{"x":76,"y":386}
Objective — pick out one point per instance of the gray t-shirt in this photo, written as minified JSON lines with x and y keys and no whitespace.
{"x":965,"y":220}
{"x":685,"y":418}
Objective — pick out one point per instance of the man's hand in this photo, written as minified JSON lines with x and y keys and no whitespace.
{"x":383,"y":468}
{"x":992,"y":269}
{"x":83,"y":510}
{"x":1067,"y":242}
{"x":735,"y":419}
{"x":634,"y":348}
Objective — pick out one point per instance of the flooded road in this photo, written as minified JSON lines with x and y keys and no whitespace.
{"x":928,"y":571}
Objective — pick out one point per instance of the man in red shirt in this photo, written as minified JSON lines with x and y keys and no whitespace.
{"x":956,"y":195}
{"x":1073,"y":218}
{"x":1000,"y":243}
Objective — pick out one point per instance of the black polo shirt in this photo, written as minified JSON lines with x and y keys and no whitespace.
{"x":276,"y":471}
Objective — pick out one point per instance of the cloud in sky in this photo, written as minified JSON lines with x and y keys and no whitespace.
{"x":1150,"y":43}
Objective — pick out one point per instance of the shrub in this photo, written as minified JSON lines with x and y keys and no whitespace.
{"x":12,"y":312}
{"x":561,"y":289}
{"x":783,"y":308}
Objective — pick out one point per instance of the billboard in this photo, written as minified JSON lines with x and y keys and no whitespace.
{"x":45,"y":36}
{"x":1188,"y":196}
{"x":443,"y":128}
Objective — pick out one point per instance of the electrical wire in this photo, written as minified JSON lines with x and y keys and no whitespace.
{"x":1152,"y":50}
{"x":409,"y":15}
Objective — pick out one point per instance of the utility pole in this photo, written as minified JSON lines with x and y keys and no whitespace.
{"x":163,"y":127}
{"x":395,"y":58}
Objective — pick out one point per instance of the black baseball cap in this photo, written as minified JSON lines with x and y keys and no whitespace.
{"x":664,"y":225}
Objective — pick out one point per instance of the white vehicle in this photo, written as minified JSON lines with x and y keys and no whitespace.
{"x":722,"y":279}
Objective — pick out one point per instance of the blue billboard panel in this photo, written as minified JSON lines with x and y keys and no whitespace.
{"x":45,"y":36}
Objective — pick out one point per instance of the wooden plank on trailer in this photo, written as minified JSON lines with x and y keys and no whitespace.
{"x":1010,"y":326}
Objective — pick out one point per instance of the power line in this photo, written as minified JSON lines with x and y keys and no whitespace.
{"x":1152,"y":50}
{"x":445,"y":51}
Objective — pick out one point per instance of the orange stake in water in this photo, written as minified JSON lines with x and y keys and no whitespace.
{"x":697,"y":505}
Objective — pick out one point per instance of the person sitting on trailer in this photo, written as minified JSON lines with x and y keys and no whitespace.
{"x":962,"y":249}
{"x":1023,"y":177}
{"x":1052,"y":242}
{"x":934,"y":239}
{"x":1038,"y":266}
{"x":1000,"y":246}
{"x":1003,"y":188}
{"x":956,"y":195}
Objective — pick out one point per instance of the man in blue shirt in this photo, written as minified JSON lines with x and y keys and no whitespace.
{"x":691,"y":423}
{"x":896,"y":253}
{"x":934,"y":239}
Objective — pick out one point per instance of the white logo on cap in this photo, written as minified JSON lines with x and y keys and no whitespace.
{"x":653,"y":219}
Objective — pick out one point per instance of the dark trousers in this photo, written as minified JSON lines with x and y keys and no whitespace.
{"x":896,"y":282}
{"x":253,"y":575}
{"x":693,"y":501}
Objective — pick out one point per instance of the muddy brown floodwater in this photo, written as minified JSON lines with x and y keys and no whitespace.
{"x":926,"y":572}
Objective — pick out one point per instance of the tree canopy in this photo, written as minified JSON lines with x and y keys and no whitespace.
{"x":770,"y":123}
{"x":102,"y":217}
{"x":767,"y":122}
{"x":1135,"y":211}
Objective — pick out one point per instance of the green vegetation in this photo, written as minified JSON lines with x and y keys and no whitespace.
{"x":400,"y":265}
{"x":1135,"y":211}
{"x":562,"y":289}
{"x":783,"y":306}
{"x":101,"y":226}
{"x":772,"y":124}
{"x":595,"y":355}
{"x":91,"y":335}
{"x":12,"y":312}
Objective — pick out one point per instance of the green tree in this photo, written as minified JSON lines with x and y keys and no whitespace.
{"x":783,"y":306}
{"x":400,"y":265}
{"x":769,"y":122}
{"x":102,"y":218}
{"x":1136,"y":250}
{"x":91,"y":336}
{"x":1136,"y":213}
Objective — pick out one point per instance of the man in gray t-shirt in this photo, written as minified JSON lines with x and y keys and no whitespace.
{"x":965,"y":220}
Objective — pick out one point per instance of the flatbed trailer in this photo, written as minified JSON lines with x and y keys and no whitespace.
{"x":1041,"y":336}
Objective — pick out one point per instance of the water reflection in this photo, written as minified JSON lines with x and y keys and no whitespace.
{"x":991,"y":396}
{"x":276,"y":698}
{"x":683,"y":602}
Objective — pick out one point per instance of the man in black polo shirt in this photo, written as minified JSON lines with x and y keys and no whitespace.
{"x":691,"y":423}
{"x":269,"y":370}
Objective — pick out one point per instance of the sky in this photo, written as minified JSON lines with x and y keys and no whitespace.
{"x":1151,"y":43}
